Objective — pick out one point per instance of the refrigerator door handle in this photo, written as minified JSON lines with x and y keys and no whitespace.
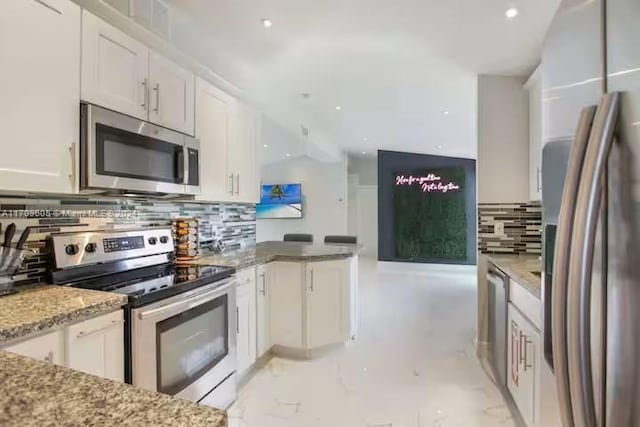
{"x":587,"y":215}
{"x":623,"y":299}
{"x":558,"y":339}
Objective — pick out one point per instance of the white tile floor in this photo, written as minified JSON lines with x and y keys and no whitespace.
{"x":413,"y":364}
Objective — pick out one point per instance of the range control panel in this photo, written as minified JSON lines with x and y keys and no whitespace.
{"x":92,"y":247}
{"x":115,"y":244}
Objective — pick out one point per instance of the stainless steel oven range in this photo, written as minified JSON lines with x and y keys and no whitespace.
{"x":121,"y":154}
{"x":180,"y":319}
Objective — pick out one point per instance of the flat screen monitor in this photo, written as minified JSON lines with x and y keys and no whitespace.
{"x":280,"y":201}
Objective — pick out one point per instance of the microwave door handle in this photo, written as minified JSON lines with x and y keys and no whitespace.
{"x":556,"y":342}
{"x":180,"y":163}
{"x":185,"y":165}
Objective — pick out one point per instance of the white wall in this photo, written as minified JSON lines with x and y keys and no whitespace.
{"x":324,"y":192}
{"x":503,"y":139}
{"x":363,"y":202}
{"x":503,"y":162}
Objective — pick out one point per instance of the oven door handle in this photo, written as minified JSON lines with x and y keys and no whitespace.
{"x":190,"y":301}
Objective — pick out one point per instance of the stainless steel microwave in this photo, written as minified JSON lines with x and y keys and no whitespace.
{"x":123,"y":155}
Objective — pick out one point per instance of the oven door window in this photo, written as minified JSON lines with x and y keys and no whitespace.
{"x":131,"y":155}
{"x":189,"y":344}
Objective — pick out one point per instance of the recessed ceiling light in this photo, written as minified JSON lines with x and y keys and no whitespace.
{"x":338,"y":107}
{"x":511,"y":13}
{"x":365,"y":139}
{"x":364,"y":152}
{"x":440,"y":147}
{"x":445,"y":113}
{"x":288,"y":155}
{"x":265,"y":145}
{"x":267,"y":23}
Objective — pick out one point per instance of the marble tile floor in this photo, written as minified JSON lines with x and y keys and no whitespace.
{"x":412,"y":365}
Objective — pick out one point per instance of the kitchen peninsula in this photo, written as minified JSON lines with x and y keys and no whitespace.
{"x":294,"y":299}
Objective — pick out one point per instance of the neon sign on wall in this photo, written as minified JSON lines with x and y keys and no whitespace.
{"x":430,"y":183}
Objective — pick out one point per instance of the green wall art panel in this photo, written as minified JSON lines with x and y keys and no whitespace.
{"x":429,"y":219}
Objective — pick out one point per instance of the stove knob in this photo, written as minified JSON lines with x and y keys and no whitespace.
{"x":71,"y":249}
{"x":91,"y":247}
{"x":153,"y":240}
{"x":164,"y":239}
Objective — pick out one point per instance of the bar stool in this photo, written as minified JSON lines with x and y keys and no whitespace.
{"x":350,"y":240}
{"x":308,"y":238}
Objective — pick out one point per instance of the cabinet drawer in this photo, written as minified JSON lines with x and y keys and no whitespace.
{"x":48,"y":347}
{"x":246,"y":277}
{"x":528,"y":304}
{"x":91,"y":326}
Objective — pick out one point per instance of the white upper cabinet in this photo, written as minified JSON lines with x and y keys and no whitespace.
{"x":327,"y":302}
{"x":114,"y":68}
{"x":242,"y":165}
{"x":171,"y":94}
{"x":534,"y":87}
{"x":39,"y":95}
{"x":214,"y":111}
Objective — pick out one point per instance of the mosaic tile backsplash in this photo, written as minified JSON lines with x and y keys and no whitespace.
{"x":522,"y":228}
{"x":234,"y":224}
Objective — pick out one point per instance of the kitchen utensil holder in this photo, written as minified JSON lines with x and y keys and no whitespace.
{"x":11,"y":259}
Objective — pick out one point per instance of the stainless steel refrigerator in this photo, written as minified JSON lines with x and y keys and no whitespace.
{"x":591,"y":204}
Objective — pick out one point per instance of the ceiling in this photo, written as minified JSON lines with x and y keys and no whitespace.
{"x":403,"y":72}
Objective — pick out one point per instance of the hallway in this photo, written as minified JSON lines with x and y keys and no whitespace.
{"x":412,"y":365}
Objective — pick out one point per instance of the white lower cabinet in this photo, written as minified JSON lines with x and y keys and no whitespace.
{"x":246,"y":320}
{"x":48,"y":347}
{"x":263,"y":338}
{"x":327,"y":310}
{"x":309,"y":303}
{"x":285,"y":303}
{"x":96,"y":346}
{"x":523,"y":358}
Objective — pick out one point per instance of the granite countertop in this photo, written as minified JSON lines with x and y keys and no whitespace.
{"x":265,"y":252}
{"x":39,"y":394}
{"x":36,"y":308}
{"x":520,"y":268}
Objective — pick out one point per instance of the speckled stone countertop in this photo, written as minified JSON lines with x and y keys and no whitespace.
{"x":37,"y":394}
{"x":36,"y":308}
{"x":265,"y":252}
{"x":520,"y":268}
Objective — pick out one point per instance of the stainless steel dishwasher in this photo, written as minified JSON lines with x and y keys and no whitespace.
{"x":498,"y":291}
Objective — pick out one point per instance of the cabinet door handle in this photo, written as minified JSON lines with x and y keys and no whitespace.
{"x":157,"y":89}
{"x":83,"y":334}
{"x":238,"y":181}
{"x":145,"y":88}
{"x":538,"y":178}
{"x":72,"y":154}
{"x":526,"y":364}
{"x":49,"y":357}
{"x":231,"y":178}
{"x":237,"y":320}
{"x":263,"y":291}
{"x":521,"y":356}
{"x":311,"y":287}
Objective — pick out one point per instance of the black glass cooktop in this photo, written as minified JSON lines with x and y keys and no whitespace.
{"x":150,"y":284}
